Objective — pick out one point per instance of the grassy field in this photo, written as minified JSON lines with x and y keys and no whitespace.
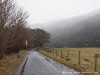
{"x":86,"y":58}
{"x":9,"y":63}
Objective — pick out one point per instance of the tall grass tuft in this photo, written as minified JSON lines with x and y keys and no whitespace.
{"x":10,"y":62}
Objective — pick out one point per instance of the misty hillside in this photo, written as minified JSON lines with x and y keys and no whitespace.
{"x":81,"y":31}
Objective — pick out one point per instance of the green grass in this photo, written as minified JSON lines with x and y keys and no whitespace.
{"x":87,"y":58}
{"x":10,"y":62}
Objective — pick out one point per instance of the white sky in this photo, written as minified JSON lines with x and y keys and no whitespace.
{"x":42,"y":11}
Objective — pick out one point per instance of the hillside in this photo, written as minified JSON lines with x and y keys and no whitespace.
{"x":81,"y":31}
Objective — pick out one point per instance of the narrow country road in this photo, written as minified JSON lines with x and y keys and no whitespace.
{"x":38,"y":64}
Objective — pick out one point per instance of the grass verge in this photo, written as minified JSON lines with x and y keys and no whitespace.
{"x":10,"y":62}
{"x":87,"y":59}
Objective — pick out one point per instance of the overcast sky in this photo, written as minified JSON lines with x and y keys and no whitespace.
{"x":42,"y":11}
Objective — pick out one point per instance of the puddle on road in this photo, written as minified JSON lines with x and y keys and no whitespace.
{"x":47,"y":60}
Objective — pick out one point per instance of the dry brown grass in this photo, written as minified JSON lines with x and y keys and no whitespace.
{"x":10,"y":62}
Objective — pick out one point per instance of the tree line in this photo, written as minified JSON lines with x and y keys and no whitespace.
{"x":14,"y":31}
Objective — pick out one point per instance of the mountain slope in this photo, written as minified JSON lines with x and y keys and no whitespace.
{"x":82,"y":31}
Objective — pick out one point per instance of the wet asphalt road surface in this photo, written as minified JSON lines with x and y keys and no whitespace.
{"x":38,"y":64}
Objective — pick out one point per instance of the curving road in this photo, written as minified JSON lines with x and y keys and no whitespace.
{"x":38,"y":64}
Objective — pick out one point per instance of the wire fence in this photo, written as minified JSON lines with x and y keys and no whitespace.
{"x":88,"y":59}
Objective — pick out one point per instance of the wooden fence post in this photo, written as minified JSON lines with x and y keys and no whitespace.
{"x":79,"y":58}
{"x":95,"y":65}
{"x":53,"y":51}
{"x":68,"y":54}
{"x":56,"y":53}
{"x":61,"y":53}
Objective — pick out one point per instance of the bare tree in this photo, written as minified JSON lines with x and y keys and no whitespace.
{"x":13,"y":31}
